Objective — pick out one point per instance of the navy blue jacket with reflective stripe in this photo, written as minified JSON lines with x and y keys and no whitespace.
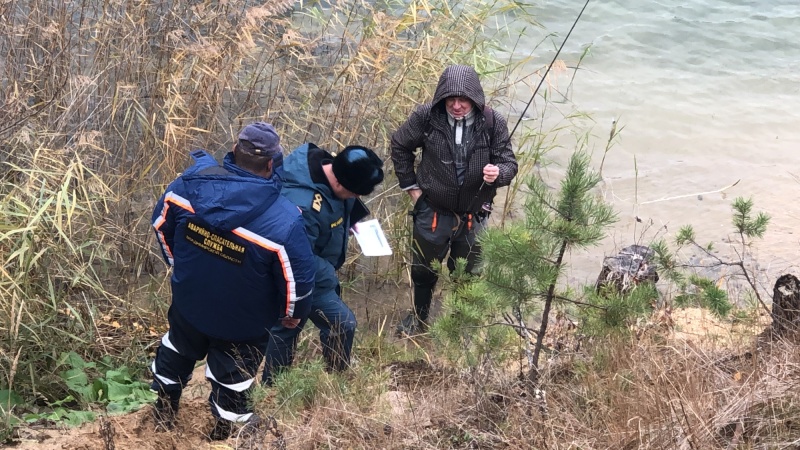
{"x":239,"y":251}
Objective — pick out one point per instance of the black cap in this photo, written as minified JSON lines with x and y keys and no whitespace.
{"x":358,"y":169}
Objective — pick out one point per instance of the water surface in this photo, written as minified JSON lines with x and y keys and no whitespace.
{"x":708,"y":92}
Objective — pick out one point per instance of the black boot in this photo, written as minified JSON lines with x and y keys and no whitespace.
{"x":253,"y":432}
{"x":411,"y":325}
{"x":165,"y":412}
{"x":221,"y":431}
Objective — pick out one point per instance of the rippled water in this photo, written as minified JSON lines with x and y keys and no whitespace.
{"x":720,"y":68}
{"x":708,"y":92}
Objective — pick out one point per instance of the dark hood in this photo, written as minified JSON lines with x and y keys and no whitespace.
{"x":460,"y":81}
{"x":296,"y":173}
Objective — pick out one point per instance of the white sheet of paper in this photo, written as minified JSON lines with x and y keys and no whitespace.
{"x":371,"y":239}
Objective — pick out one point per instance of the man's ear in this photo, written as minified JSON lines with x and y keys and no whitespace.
{"x":269,"y":167}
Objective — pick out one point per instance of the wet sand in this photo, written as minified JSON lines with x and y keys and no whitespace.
{"x":662,"y":191}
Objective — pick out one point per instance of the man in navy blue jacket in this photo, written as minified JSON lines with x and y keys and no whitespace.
{"x":326,"y":189}
{"x":241,"y":262}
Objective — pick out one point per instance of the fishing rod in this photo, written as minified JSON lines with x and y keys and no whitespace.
{"x":485,"y":207}
{"x":550,"y":66}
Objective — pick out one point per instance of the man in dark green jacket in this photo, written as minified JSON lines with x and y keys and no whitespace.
{"x":326,"y":189}
{"x":466,"y":156}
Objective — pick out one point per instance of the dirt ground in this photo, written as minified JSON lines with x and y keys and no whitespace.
{"x":379,"y":303}
{"x":137,"y":430}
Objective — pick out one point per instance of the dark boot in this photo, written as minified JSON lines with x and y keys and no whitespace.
{"x":423,"y":298}
{"x":165,"y":412}
{"x":221,"y":431}
{"x":253,"y":433}
{"x":411,"y":325}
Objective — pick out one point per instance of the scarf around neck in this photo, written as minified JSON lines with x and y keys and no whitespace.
{"x":459,"y":124}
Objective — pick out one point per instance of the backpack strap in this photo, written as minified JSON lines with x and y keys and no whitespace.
{"x":488,"y":116}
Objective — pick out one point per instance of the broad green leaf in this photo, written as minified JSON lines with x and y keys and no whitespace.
{"x":75,"y":379}
{"x":9,"y":398}
{"x":120,"y":375}
{"x":74,"y":360}
{"x":99,"y":389}
{"x":118,"y":391}
{"x":75,"y":418}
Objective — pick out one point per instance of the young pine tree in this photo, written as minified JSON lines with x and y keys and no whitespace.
{"x":695,"y":288}
{"x":522,"y":263}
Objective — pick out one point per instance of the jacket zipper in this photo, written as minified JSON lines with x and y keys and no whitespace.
{"x":451,"y":149}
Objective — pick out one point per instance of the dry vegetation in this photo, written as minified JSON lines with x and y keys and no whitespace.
{"x":655,"y":392}
{"x":101,"y":102}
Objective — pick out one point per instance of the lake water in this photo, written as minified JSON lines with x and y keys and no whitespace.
{"x":708,"y":92}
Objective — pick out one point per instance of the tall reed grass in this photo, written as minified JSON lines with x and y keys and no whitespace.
{"x":103,"y":100}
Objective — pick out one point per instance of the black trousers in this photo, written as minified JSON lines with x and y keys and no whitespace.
{"x":436,"y":236}
{"x":230,"y":367}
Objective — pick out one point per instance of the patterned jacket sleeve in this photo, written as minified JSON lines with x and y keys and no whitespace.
{"x":405,"y":141}
{"x":502,"y":154}
{"x":300,"y":282}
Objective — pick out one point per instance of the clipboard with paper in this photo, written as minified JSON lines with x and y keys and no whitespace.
{"x":369,"y":234}
{"x":371,"y":239}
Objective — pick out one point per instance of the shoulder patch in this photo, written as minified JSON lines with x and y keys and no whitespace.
{"x":316,"y":205}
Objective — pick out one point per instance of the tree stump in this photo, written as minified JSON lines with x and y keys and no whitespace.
{"x":786,"y":306}
{"x":632,"y":265}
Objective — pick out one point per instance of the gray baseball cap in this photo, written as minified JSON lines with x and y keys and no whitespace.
{"x":263,"y":138}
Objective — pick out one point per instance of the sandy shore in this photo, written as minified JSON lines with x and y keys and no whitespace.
{"x":673,"y":191}
{"x":656,"y":193}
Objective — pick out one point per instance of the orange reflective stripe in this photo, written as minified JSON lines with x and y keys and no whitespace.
{"x":433,"y":224}
{"x":469,"y":222}
{"x":283,"y":258}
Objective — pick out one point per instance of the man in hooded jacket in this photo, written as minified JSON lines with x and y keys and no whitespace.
{"x":466,"y":155}
{"x":326,"y":189}
{"x":240,"y":262}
